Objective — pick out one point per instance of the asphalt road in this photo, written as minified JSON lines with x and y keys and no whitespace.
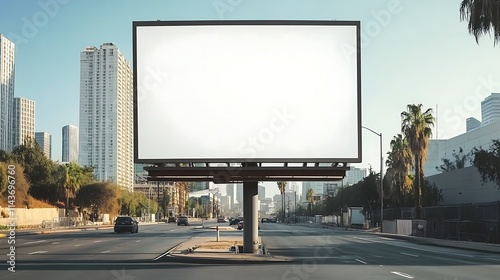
{"x":314,"y":253}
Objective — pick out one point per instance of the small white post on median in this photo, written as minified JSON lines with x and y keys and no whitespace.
{"x":217,"y":231}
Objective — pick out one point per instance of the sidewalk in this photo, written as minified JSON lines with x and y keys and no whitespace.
{"x":209,"y":250}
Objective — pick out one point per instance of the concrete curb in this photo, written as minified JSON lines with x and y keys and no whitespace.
{"x":241,"y":259}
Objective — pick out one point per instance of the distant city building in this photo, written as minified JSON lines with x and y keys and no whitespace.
{"x":230,"y":191}
{"x":239,"y":192}
{"x":140,"y":175}
{"x":7,"y":73}
{"x":262,"y":193}
{"x":472,"y":123}
{"x":44,"y":140}
{"x":318,"y":188}
{"x":106,"y":114}
{"x":354,"y":175}
{"x":438,"y":149}
{"x":70,"y":145}
{"x":490,"y":109}
{"x":24,"y":120}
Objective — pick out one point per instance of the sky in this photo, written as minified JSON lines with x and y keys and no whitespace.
{"x":413,"y":52}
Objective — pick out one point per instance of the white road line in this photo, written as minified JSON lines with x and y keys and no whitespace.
{"x":78,"y":245}
{"x":56,"y":242}
{"x":402,"y":274}
{"x":419,"y":249}
{"x":37,"y":252}
{"x":104,"y":252}
{"x":411,"y":255}
{"x":361,"y":261}
{"x":97,"y":241}
{"x":386,"y":238}
{"x":137,"y":241}
{"x":33,"y":242}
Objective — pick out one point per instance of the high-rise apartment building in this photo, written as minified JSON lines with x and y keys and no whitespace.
{"x":490,"y":109}
{"x":24,"y":121}
{"x":6,"y":93}
{"x":44,"y":140}
{"x":106,"y":114}
{"x":70,"y":143}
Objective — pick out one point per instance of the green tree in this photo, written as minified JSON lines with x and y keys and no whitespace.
{"x":310,"y":199}
{"x":483,"y":17}
{"x":487,"y":162}
{"x":72,"y":177}
{"x":99,"y":198}
{"x":282,"y":188}
{"x":416,"y":127}
{"x":458,"y":162}
{"x":399,"y":162}
{"x":40,"y":172}
{"x":13,"y":184}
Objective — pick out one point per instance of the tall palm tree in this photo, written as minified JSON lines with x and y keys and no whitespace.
{"x":400,"y":162}
{"x":310,"y":199}
{"x":282,"y":188}
{"x":72,"y":178}
{"x":416,"y":127}
{"x":483,"y":17}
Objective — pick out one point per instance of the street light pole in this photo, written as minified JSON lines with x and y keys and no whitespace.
{"x":381,"y":177}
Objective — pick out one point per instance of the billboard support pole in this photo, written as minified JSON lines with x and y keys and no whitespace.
{"x":250,"y":216}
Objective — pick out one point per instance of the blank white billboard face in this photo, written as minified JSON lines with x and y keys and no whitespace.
{"x":247,"y":92}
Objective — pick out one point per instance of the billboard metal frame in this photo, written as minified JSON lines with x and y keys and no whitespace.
{"x":334,"y":161}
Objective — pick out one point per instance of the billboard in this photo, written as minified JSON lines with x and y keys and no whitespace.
{"x":247,"y":91}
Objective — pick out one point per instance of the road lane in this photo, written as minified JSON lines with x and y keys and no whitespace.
{"x":304,"y":244}
{"x":100,"y":245}
{"x":317,"y":253}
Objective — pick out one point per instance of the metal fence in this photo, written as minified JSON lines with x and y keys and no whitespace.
{"x":479,"y":222}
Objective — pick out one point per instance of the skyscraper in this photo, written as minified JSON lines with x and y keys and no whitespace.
{"x":24,"y":121}
{"x":490,"y":109}
{"x":70,"y":143}
{"x":106,"y":114}
{"x":44,"y":140}
{"x":6,"y":93}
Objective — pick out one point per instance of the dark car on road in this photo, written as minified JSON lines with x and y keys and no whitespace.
{"x":183,"y":220}
{"x":221,"y":219}
{"x":264,"y":220}
{"x":126,"y":224}
{"x":235,"y":221}
{"x":240,"y":225}
{"x":171,"y":219}
{"x":271,"y":220}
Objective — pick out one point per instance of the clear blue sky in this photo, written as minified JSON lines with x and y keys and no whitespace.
{"x":412,"y":52}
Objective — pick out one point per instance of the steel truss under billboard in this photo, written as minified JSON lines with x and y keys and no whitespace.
{"x":247,"y":92}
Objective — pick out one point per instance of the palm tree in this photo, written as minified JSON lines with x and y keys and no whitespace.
{"x":483,"y":17}
{"x":282,"y":188}
{"x":400,"y":162}
{"x":416,"y":128}
{"x":72,"y":178}
{"x":310,"y":199}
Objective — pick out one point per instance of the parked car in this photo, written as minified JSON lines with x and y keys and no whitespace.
{"x":183,"y":220}
{"x":271,"y":220}
{"x":221,"y":220}
{"x":171,"y":219}
{"x":126,"y":224}
{"x":264,"y":220}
